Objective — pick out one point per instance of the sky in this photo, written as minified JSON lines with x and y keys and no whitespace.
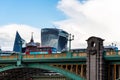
{"x":81,"y":18}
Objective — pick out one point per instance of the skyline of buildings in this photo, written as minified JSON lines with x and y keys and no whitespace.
{"x":50,"y":37}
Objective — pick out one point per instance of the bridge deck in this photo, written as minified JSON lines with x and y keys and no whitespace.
{"x":45,"y":57}
{"x":109,"y":56}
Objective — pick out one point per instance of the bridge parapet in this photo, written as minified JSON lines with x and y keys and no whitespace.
{"x":58,"y":55}
{"x":112,"y":56}
{"x":81,"y":54}
{"x":45,"y":56}
{"x":112,"y":53}
{"x":9,"y":57}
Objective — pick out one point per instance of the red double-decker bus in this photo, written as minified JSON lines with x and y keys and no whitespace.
{"x":42,"y":50}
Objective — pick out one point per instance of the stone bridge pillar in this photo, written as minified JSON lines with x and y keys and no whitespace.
{"x":95,"y":70}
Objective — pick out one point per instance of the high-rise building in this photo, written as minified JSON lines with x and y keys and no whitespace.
{"x":52,"y":37}
{"x":18,"y":43}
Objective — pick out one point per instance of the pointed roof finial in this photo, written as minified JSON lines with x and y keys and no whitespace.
{"x":32,"y":37}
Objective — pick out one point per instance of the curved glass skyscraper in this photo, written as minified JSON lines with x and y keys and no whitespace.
{"x":52,"y":37}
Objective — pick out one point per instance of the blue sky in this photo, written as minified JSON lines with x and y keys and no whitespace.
{"x":38,"y":13}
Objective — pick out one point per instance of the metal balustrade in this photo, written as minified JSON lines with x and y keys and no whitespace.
{"x":44,"y":56}
{"x":58,"y":55}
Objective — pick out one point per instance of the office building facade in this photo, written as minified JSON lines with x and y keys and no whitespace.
{"x":52,"y":37}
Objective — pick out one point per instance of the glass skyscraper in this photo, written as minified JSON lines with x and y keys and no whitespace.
{"x":18,"y":43}
{"x":52,"y":37}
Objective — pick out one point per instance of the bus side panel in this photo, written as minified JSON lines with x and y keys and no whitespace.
{"x":38,"y":52}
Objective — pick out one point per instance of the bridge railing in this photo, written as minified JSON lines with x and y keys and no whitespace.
{"x":9,"y":57}
{"x":41,"y":56}
{"x":58,"y":55}
{"x":112,"y":56}
{"x":80,"y":54}
{"x":112,"y":53}
{"x":46,"y":56}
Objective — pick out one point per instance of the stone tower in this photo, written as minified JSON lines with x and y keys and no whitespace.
{"x":95,"y":61}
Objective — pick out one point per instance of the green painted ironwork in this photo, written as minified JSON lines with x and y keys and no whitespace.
{"x":47,"y":67}
{"x":112,"y":57}
{"x":69,"y":54}
{"x":56,"y":69}
{"x":63,"y":58}
{"x":19,"y":59}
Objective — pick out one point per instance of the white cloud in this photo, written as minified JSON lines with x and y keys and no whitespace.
{"x":93,"y":18}
{"x":7,"y":34}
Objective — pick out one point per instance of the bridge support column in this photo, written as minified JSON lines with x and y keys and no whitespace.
{"x":19,"y":60}
{"x":114,"y":71}
{"x":82,"y":70}
{"x":95,"y":61}
{"x":119,"y":71}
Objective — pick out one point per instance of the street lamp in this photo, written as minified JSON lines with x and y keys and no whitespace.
{"x":70,"y":38}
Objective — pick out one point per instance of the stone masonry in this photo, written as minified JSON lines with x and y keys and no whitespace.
{"x":95,"y":61}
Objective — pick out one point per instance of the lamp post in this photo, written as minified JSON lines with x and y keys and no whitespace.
{"x":70,"y":38}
